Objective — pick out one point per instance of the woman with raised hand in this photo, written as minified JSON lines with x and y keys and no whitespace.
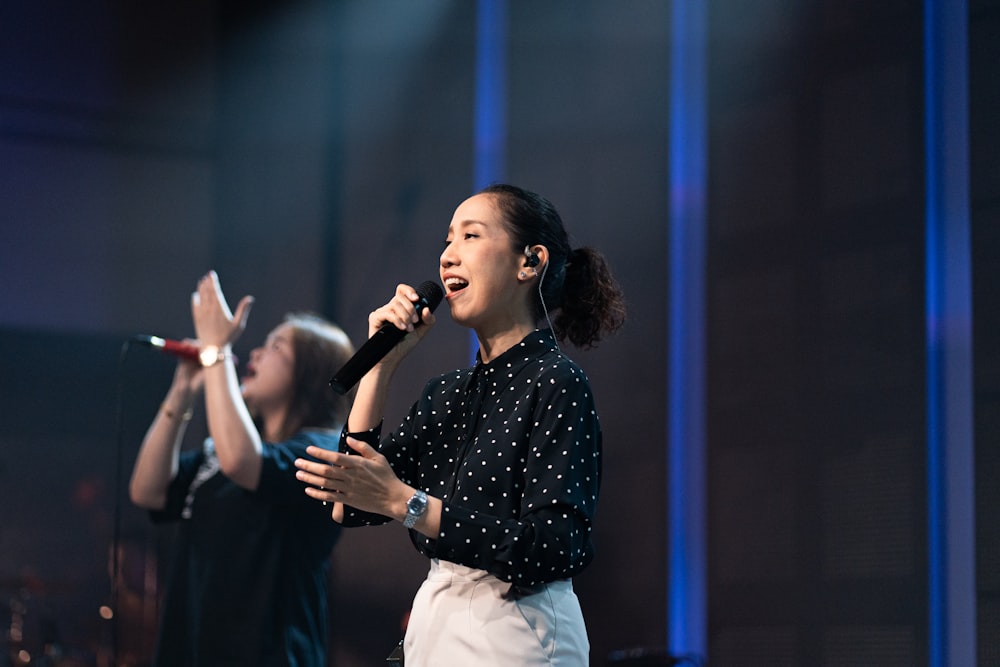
{"x":248,"y":581}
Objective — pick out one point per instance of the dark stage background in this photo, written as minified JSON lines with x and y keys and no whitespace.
{"x":313,"y":152}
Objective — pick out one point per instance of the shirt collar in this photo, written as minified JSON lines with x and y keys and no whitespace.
{"x":534,"y":345}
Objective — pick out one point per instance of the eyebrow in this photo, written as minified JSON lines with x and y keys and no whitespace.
{"x":462,"y":224}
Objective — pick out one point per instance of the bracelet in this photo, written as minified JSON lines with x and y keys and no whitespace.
{"x":186,"y":417}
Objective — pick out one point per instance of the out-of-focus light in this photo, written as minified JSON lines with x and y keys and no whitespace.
{"x":106,"y":613}
{"x":686,"y":511}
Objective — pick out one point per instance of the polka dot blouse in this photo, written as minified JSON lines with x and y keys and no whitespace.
{"x":513,"y":449}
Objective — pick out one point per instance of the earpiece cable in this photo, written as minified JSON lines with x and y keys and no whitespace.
{"x":545,"y":268}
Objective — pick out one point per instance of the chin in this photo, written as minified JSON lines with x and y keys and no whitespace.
{"x":461,"y":321}
{"x":459,"y":315}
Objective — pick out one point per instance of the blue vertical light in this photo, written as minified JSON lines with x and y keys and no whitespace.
{"x":491,"y":92}
{"x":686,"y":550}
{"x":950,"y":453}
{"x":491,"y":101}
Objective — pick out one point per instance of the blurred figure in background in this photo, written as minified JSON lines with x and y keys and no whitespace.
{"x":248,"y":581}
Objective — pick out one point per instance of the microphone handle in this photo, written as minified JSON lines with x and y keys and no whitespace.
{"x":429,"y":295}
{"x":366,"y":357}
{"x":180,"y":349}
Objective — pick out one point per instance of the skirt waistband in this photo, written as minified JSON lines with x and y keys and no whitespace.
{"x":443,"y":570}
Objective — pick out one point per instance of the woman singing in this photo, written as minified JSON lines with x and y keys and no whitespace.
{"x":496,"y":469}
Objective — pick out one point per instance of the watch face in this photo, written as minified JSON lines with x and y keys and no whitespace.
{"x":415,"y":508}
{"x":417,"y":504}
{"x":209,"y":355}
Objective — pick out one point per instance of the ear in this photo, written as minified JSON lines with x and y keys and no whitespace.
{"x":536,"y":255}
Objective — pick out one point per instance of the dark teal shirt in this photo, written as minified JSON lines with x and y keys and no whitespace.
{"x":248,"y":582}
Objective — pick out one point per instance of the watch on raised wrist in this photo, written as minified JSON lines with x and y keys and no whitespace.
{"x":211,"y":355}
{"x":415,"y":508}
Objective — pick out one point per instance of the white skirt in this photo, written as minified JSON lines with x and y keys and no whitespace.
{"x":463,"y":616}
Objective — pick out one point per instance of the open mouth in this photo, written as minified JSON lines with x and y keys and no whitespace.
{"x":454,"y":285}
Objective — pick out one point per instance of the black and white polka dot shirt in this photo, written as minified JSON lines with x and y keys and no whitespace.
{"x":513,"y":449}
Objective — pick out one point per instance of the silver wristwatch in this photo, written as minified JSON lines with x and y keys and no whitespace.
{"x":415,"y":508}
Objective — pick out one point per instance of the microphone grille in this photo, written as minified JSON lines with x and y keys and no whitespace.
{"x":430,"y":293}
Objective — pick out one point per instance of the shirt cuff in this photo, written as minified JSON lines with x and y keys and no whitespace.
{"x":369,"y":437}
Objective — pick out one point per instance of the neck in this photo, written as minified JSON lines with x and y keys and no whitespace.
{"x":273,"y":424}
{"x":492,"y":346}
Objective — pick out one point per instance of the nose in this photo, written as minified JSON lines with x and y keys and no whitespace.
{"x":448,"y":257}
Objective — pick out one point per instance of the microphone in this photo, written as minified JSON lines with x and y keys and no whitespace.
{"x":175,"y":347}
{"x":387,"y":337}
